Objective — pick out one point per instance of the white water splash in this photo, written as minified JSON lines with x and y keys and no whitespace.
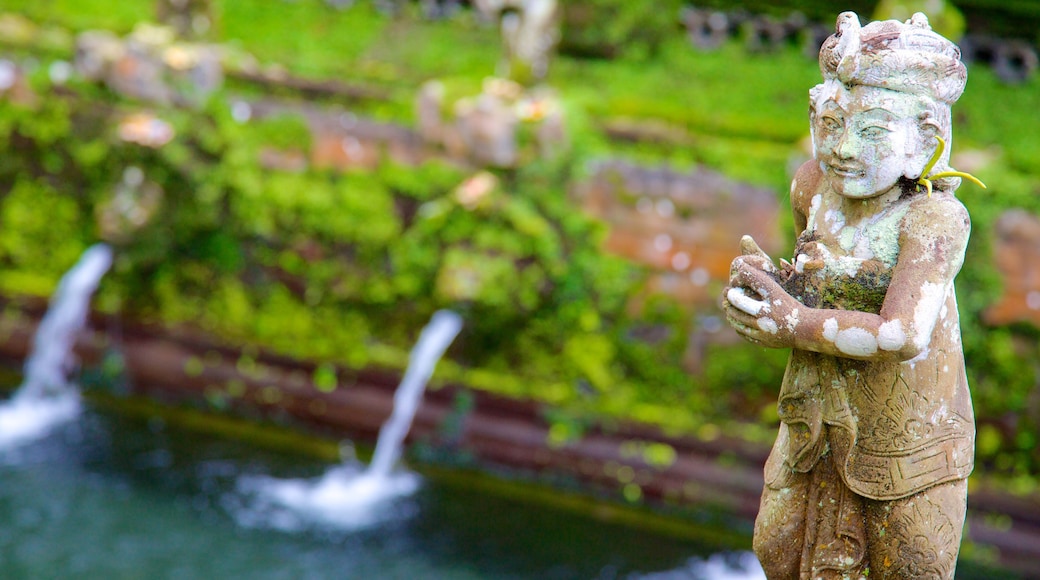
{"x":46,"y":398}
{"x":24,"y":420}
{"x":349,"y":496}
{"x":722,"y":566}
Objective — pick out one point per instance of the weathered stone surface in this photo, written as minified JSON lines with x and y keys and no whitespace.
{"x":679,"y":223}
{"x":151,"y":65}
{"x":530,"y":32}
{"x":13,"y":84}
{"x":342,"y":141}
{"x":485,"y":130}
{"x":188,"y":18}
{"x":428,"y":111}
{"x":486,"y":127}
{"x":145,"y":129}
{"x":291,"y":160}
{"x":1017,"y":257}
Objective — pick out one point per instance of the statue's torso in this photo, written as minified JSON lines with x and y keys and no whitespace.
{"x":903,"y":426}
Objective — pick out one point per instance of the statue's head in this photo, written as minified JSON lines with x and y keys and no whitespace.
{"x":886,"y":94}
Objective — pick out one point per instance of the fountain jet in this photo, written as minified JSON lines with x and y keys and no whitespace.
{"x":46,"y":397}
{"x":350,"y":496}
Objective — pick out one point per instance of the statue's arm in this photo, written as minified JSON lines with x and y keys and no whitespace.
{"x":803,"y":187}
{"x":933,"y":237}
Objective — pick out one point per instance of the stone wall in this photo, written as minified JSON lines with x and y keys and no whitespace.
{"x":683,"y":225}
{"x":1016,"y":254}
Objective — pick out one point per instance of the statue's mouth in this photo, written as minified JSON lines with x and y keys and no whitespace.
{"x":846,"y":171}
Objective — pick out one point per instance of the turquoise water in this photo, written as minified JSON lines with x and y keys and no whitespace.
{"x":110,"y":497}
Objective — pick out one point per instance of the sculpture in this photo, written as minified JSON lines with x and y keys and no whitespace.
{"x":867,"y":477}
{"x":151,"y":65}
{"x":530,"y":31}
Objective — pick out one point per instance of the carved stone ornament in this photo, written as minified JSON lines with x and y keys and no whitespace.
{"x":867,"y":477}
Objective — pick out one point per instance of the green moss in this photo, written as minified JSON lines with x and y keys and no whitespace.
{"x":862,"y":292}
{"x":610,"y":28}
{"x":282,"y":132}
{"x":334,"y":41}
{"x":80,"y":15}
{"x":220,"y":425}
{"x":35,"y":242}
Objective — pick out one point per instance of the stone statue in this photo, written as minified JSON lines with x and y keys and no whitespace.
{"x":530,"y":31}
{"x":867,"y":477}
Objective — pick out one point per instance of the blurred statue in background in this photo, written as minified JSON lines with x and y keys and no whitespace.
{"x":189,"y":19}
{"x":151,"y":64}
{"x":530,"y":32}
{"x":867,"y":477}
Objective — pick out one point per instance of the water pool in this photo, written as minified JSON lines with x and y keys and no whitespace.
{"x":115,"y":497}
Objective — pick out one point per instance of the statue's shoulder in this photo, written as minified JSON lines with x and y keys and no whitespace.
{"x":805,"y":185}
{"x":939,"y":224}
{"x":941,"y":213}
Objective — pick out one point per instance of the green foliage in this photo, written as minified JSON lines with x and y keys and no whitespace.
{"x":1004,"y":18}
{"x":79,"y":15}
{"x":334,"y":41}
{"x":821,"y":10}
{"x":981,"y":124}
{"x":614,"y":27}
{"x":1001,"y":361}
{"x":682,"y":87}
{"x":35,"y":245}
{"x":465,"y":47}
{"x":948,"y":22}
{"x":421,"y":183}
{"x":743,"y":373}
{"x":283,"y":131}
{"x":344,"y":268}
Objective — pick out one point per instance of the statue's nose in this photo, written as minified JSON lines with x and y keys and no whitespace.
{"x":847,"y":147}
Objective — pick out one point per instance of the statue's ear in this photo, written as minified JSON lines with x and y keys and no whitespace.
{"x":931,"y":131}
{"x":929,"y":126}
{"x":928,"y":129}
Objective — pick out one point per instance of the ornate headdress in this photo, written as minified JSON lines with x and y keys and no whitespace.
{"x":906,"y":57}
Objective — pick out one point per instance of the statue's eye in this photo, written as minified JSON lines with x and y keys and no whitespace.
{"x":874,"y":132}
{"x":830,"y":122}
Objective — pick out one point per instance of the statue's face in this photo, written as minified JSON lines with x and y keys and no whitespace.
{"x":866,"y":138}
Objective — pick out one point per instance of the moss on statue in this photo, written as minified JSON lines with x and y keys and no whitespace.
{"x":854,"y":294}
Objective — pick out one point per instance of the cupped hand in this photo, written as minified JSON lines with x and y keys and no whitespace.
{"x":757,"y":307}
